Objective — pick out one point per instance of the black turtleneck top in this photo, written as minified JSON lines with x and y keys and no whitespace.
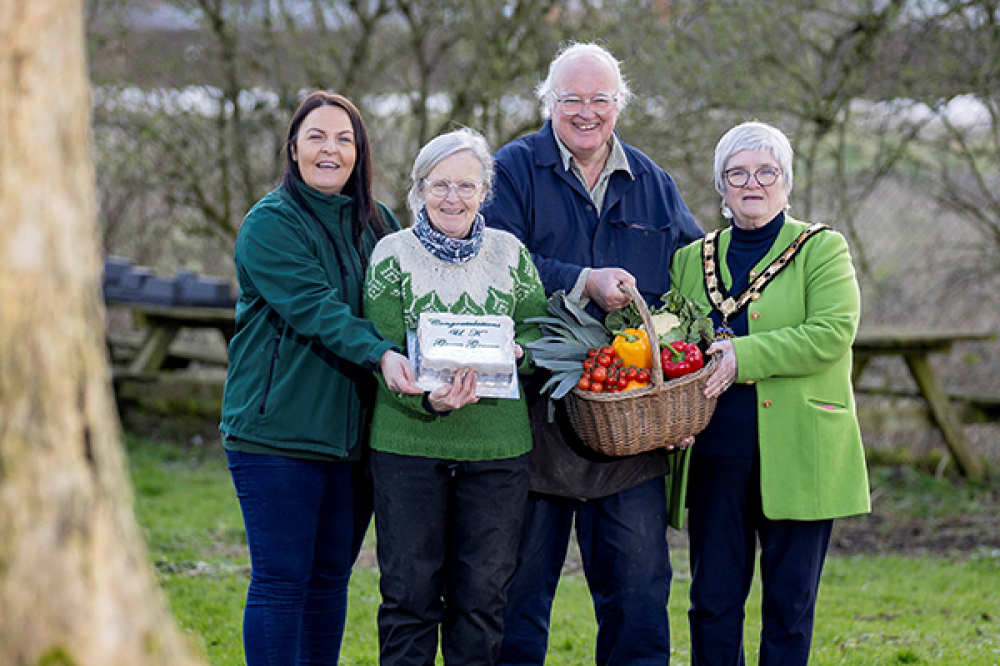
{"x":733,"y":429}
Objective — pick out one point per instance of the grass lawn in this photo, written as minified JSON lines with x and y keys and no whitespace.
{"x":874,"y":609}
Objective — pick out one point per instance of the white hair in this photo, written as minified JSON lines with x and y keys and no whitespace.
{"x":440,"y":148}
{"x":754,"y":135}
{"x":574,"y":52}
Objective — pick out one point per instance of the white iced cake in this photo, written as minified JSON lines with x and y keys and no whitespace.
{"x":482,"y":343}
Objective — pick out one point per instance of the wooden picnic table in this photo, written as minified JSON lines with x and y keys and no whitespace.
{"x":916,"y":346}
{"x":162,"y":323}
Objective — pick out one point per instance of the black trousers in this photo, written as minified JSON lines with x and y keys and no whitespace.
{"x":726,"y":522}
{"x":447,"y":539}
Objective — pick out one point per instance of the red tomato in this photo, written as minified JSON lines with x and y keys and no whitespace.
{"x":584,"y":383}
{"x":597,"y":387}
{"x":599,"y":374}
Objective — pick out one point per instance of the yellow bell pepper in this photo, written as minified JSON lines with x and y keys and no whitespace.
{"x":633,"y":348}
{"x":633,"y":384}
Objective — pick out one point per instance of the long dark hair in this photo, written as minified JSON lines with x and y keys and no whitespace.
{"x":366,"y":213}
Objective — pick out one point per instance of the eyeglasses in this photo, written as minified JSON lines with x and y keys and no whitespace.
{"x":465,"y":189}
{"x":602,"y":104}
{"x":740,"y":178}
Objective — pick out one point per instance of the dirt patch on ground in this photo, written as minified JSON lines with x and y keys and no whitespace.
{"x":957,"y":535}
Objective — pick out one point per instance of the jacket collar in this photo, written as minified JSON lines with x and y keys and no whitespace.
{"x":547,"y":155}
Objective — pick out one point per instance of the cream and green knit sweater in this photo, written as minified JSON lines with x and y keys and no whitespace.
{"x":404,"y":279}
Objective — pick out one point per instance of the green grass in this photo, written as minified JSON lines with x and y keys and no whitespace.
{"x":873,"y":609}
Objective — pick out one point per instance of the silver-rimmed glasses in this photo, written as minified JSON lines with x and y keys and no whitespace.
{"x":602,"y":103}
{"x":465,"y":189}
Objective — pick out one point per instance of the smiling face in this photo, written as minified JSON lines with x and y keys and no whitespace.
{"x":452,"y":215}
{"x":586,"y":134}
{"x":754,"y":206}
{"x":325,"y":149}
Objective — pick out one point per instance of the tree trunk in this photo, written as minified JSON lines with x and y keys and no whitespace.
{"x":75,"y":583}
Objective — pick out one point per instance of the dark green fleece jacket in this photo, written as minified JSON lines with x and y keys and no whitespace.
{"x":300,"y":365}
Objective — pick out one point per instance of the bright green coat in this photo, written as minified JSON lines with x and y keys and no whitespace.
{"x":798,"y":353}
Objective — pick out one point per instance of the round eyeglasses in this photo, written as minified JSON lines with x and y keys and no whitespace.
{"x":465,"y":189}
{"x":602,"y":104}
{"x":740,"y":178}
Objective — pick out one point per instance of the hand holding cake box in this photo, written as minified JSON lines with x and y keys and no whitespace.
{"x":446,"y":343}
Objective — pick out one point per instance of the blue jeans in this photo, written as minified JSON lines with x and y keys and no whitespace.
{"x":447,"y":543}
{"x":626,"y":560}
{"x":305,"y":522}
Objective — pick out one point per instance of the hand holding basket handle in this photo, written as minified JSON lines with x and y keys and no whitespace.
{"x":662,"y":415}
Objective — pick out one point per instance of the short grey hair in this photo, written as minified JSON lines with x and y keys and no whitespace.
{"x":439,"y":149}
{"x":546,"y":90}
{"x":754,"y":135}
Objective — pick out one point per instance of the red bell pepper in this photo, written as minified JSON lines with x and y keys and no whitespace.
{"x":680,"y":358}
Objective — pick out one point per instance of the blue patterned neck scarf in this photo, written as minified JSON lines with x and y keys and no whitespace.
{"x":446,"y":248}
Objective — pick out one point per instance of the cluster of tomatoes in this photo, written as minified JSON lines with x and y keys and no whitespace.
{"x":605,"y":372}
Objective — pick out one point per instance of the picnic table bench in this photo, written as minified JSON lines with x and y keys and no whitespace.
{"x":915,"y":347}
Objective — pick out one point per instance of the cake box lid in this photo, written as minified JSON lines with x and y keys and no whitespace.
{"x":484,"y":343}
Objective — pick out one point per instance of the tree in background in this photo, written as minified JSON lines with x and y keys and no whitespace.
{"x":75,"y":583}
{"x":190,"y":110}
{"x":960,"y":161}
{"x":813,"y":68}
{"x":196,"y":95}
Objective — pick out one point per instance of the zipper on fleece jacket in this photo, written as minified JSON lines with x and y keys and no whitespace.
{"x":270,"y":370}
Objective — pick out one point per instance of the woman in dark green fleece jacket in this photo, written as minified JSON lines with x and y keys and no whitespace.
{"x":297,"y":399}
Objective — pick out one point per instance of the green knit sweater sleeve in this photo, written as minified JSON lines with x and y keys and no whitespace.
{"x":383,"y":306}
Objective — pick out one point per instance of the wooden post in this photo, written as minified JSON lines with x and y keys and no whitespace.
{"x":941,"y":412}
{"x":154,"y":348}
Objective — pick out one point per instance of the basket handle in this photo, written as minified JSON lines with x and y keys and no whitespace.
{"x":647,"y":320}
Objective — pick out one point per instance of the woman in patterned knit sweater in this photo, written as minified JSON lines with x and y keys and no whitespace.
{"x":450,"y":469}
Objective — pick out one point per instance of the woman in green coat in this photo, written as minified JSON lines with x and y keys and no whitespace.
{"x":782,"y":456}
{"x":299,"y":387}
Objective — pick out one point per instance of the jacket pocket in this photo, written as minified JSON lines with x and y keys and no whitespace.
{"x":643,"y":248}
{"x":272,"y":365}
{"x":827,"y":405}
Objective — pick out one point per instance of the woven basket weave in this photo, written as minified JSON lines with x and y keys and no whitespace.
{"x":659,"y":415}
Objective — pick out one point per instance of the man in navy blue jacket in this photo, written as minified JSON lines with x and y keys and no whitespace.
{"x":594,"y":212}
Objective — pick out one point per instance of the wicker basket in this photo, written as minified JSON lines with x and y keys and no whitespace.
{"x":659,"y":415}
